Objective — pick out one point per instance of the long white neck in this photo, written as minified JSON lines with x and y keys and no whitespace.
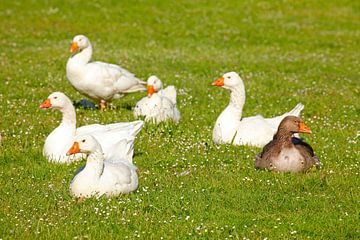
{"x":68,"y":114}
{"x":237,"y":99}
{"x":84,"y":56}
{"x":95,"y":162}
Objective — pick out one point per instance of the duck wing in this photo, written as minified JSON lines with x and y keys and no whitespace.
{"x":307,"y":151}
{"x":141,"y":107}
{"x":116,"y":139}
{"x":114,"y":77}
{"x":120,"y":151}
{"x":263,"y":159}
{"x":303,"y":146}
{"x":275,"y":121}
{"x":116,"y":174}
{"x":170,"y":93}
{"x":123,"y":128}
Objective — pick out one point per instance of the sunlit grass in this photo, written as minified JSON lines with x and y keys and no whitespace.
{"x":286,"y":52}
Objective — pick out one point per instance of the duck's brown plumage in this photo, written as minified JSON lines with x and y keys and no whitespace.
{"x":286,"y":153}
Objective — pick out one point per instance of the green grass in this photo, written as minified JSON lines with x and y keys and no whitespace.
{"x":286,"y":52}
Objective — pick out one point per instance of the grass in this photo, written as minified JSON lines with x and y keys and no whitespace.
{"x":286,"y":51}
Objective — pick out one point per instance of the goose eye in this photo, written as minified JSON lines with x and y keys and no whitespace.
{"x":228,"y":77}
{"x":55,"y":97}
{"x":83,"y":140}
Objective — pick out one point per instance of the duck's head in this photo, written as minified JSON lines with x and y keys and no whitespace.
{"x":154,"y":85}
{"x":228,"y":80}
{"x":55,"y":100}
{"x":78,"y":43}
{"x":83,"y":144}
{"x":294,"y":124}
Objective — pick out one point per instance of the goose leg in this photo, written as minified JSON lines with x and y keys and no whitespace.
{"x":102,"y":105}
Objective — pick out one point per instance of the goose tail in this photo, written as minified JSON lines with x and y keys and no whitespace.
{"x":297,"y":110}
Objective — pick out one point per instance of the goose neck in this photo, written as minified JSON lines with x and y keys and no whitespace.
{"x":95,"y":161}
{"x":237,"y":98}
{"x":283,"y":137}
{"x":68,"y":114}
{"x":84,"y":56}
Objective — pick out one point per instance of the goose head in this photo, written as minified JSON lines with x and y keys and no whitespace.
{"x":229,"y":80}
{"x":57,"y":100}
{"x":294,"y":124}
{"x":84,"y":144}
{"x":154,"y":85}
{"x":79,"y":43}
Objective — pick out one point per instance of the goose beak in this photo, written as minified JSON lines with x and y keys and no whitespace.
{"x":219,"y":82}
{"x":45,"y":104}
{"x":304,"y":129}
{"x":74,"y":149}
{"x":151,"y":90}
{"x":74,"y":47}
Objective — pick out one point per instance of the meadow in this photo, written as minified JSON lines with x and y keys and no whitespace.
{"x":286,"y":52}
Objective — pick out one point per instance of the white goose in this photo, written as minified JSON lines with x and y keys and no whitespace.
{"x":230,"y":127}
{"x":98,"y":80}
{"x":159,"y":105}
{"x":100,"y":177}
{"x":61,"y":139}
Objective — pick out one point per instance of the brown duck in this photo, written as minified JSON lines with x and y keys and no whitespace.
{"x":286,"y":153}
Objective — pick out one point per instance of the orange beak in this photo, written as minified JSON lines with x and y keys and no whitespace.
{"x":74,"y":47}
{"x":304,"y":129}
{"x":219,"y":82}
{"x":46,"y":104}
{"x":151,"y":90}
{"x":74,"y":149}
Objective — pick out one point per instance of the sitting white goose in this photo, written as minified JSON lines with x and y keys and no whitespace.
{"x":99,"y":81}
{"x":61,"y":139}
{"x":159,"y":105}
{"x":100,"y":177}
{"x":230,"y":127}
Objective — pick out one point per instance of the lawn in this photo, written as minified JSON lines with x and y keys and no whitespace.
{"x":286,"y":52}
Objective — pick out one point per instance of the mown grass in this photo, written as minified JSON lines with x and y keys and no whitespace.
{"x":286,"y":52}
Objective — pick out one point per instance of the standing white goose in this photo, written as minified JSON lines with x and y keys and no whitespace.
{"x":98,"y":80}
{"x":61,"y":139}
{"x":100,"y":177}
{"x":159,"y":105}
{"x":230,"y":127}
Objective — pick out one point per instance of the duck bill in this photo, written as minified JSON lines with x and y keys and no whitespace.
{"x":74,"y":47}
{"x":151,"y":90}
{"x":45,"y":104}
{"x":219,"y":82}
{"x":74,"y":149}
{"x":304,"y":129}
